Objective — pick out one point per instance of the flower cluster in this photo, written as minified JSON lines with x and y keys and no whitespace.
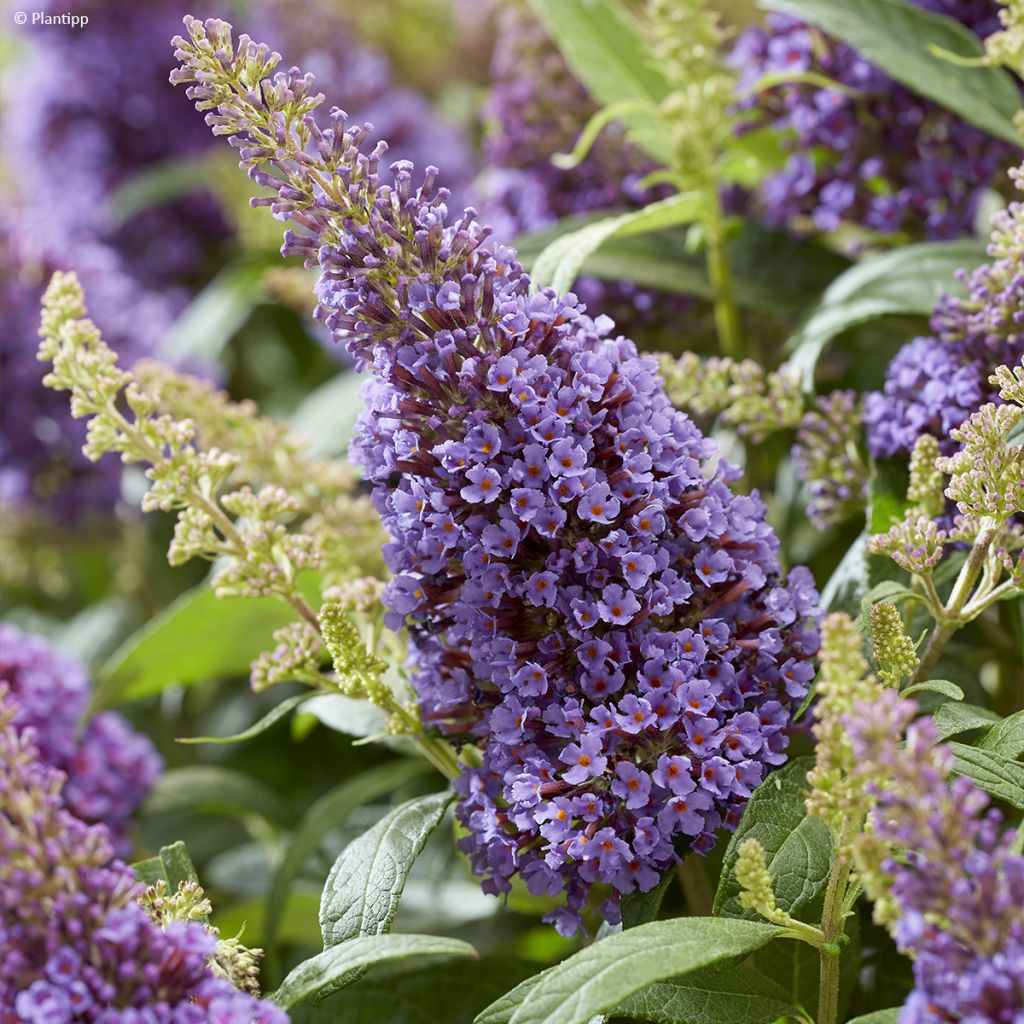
{"x":589,"y":603}
{"x":77,"y":946}
{"x":867,"y":150}
{"x":944,"y":877}
{"x":837,"y":794}
{"x":756,"y":401}
{"x":109,"y":767}
{"x":934,"y":383}
{"x":827,"y":459}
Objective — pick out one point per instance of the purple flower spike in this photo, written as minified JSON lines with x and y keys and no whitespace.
{"x":568,"y":653}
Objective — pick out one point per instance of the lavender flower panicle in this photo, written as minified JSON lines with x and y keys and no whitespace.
{"x":935,"y":383}
{"x":628,"y":679}
{"x":941,"y":870}
{"x":109,"y":768}
{"x":77,"y":946}
{"x":871,"y":151}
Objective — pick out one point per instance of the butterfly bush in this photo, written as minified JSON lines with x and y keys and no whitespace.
{"x":945,"y":876}
{"x":626,"y":682}
{"x":109,"y":768}
{"x":934,"y":384}
{"x":77,"y":945}
{"x":867,"y":151}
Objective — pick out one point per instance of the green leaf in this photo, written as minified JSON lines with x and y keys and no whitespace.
{"x":951,"y":719}
{"x":736,"y":995}
{"x":410,"y":995}
{"x":879,"y":1017}
{"x":943,"y":686}
{"x":772,"y":272}
{"x":501,"y":1010}
{"x":896,"y":36}
{"x":559,"y":264}
{"x":214,"y":789}
{"x":907,"y":280}
{"x":997,"y":775}
{"x":326,"y":419}
{"x":198,"y":637}
{"x":605,"y":49}
{"x":275,"y":714}
{"x":323,"y":816}
{"x":797,"y":847}
{"x":1006,"y":737}
{"x":172,"y":864}
{"x":365,"y":885}
{"x":212,"y":318}
{"x":314,"y":977}
{"x":601,"y":976}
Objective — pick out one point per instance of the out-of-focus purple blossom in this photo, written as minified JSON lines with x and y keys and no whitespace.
{"x":537,"y":109}
{"x":953,"y":889}
{"x":875,"y":153}
{"x":934,"y":383}
{"x":109,"y":768}
{"x":77,"y":947}
{"x":583,"y":589}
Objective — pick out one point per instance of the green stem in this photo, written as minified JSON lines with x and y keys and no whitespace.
{"x":727,"y":320}
{"x":833,"y":923}
{"x":951,"y":620}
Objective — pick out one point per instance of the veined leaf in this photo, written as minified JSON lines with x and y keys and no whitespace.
{"x":559,"y":264}
{"x":502,"y":1009}
{"x":736,"y":995}
{"x":1006,"y":737}
{"x":797,"y":847}
{"x":365,"y":884}
{"x":314,"y":977}
{"x":603,"y":975}
{"x":997,"y":775}
{"x":898,"y":36}
{"x":325,"y":814}
{"x":275,"y":714}
{"x":951,"y":719}
{"x":941,"y":686}
{"x":605,"y":49}
{"x":411,"y":996}
{"x":904,"y":281}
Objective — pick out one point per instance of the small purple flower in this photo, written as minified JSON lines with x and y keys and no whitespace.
{"x":632,"y":785}
{"x":585,"y":759}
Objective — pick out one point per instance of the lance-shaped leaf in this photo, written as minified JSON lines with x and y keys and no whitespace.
{"x":275,"y":714}
{"x":559,"y":264}
{"x":317,"y":976}
{"x":327,"y":813}
{"x":997,"y":775}
{"x":172,"y":865}
{"x":600,"y":977}
{"x":1006,"y":737}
